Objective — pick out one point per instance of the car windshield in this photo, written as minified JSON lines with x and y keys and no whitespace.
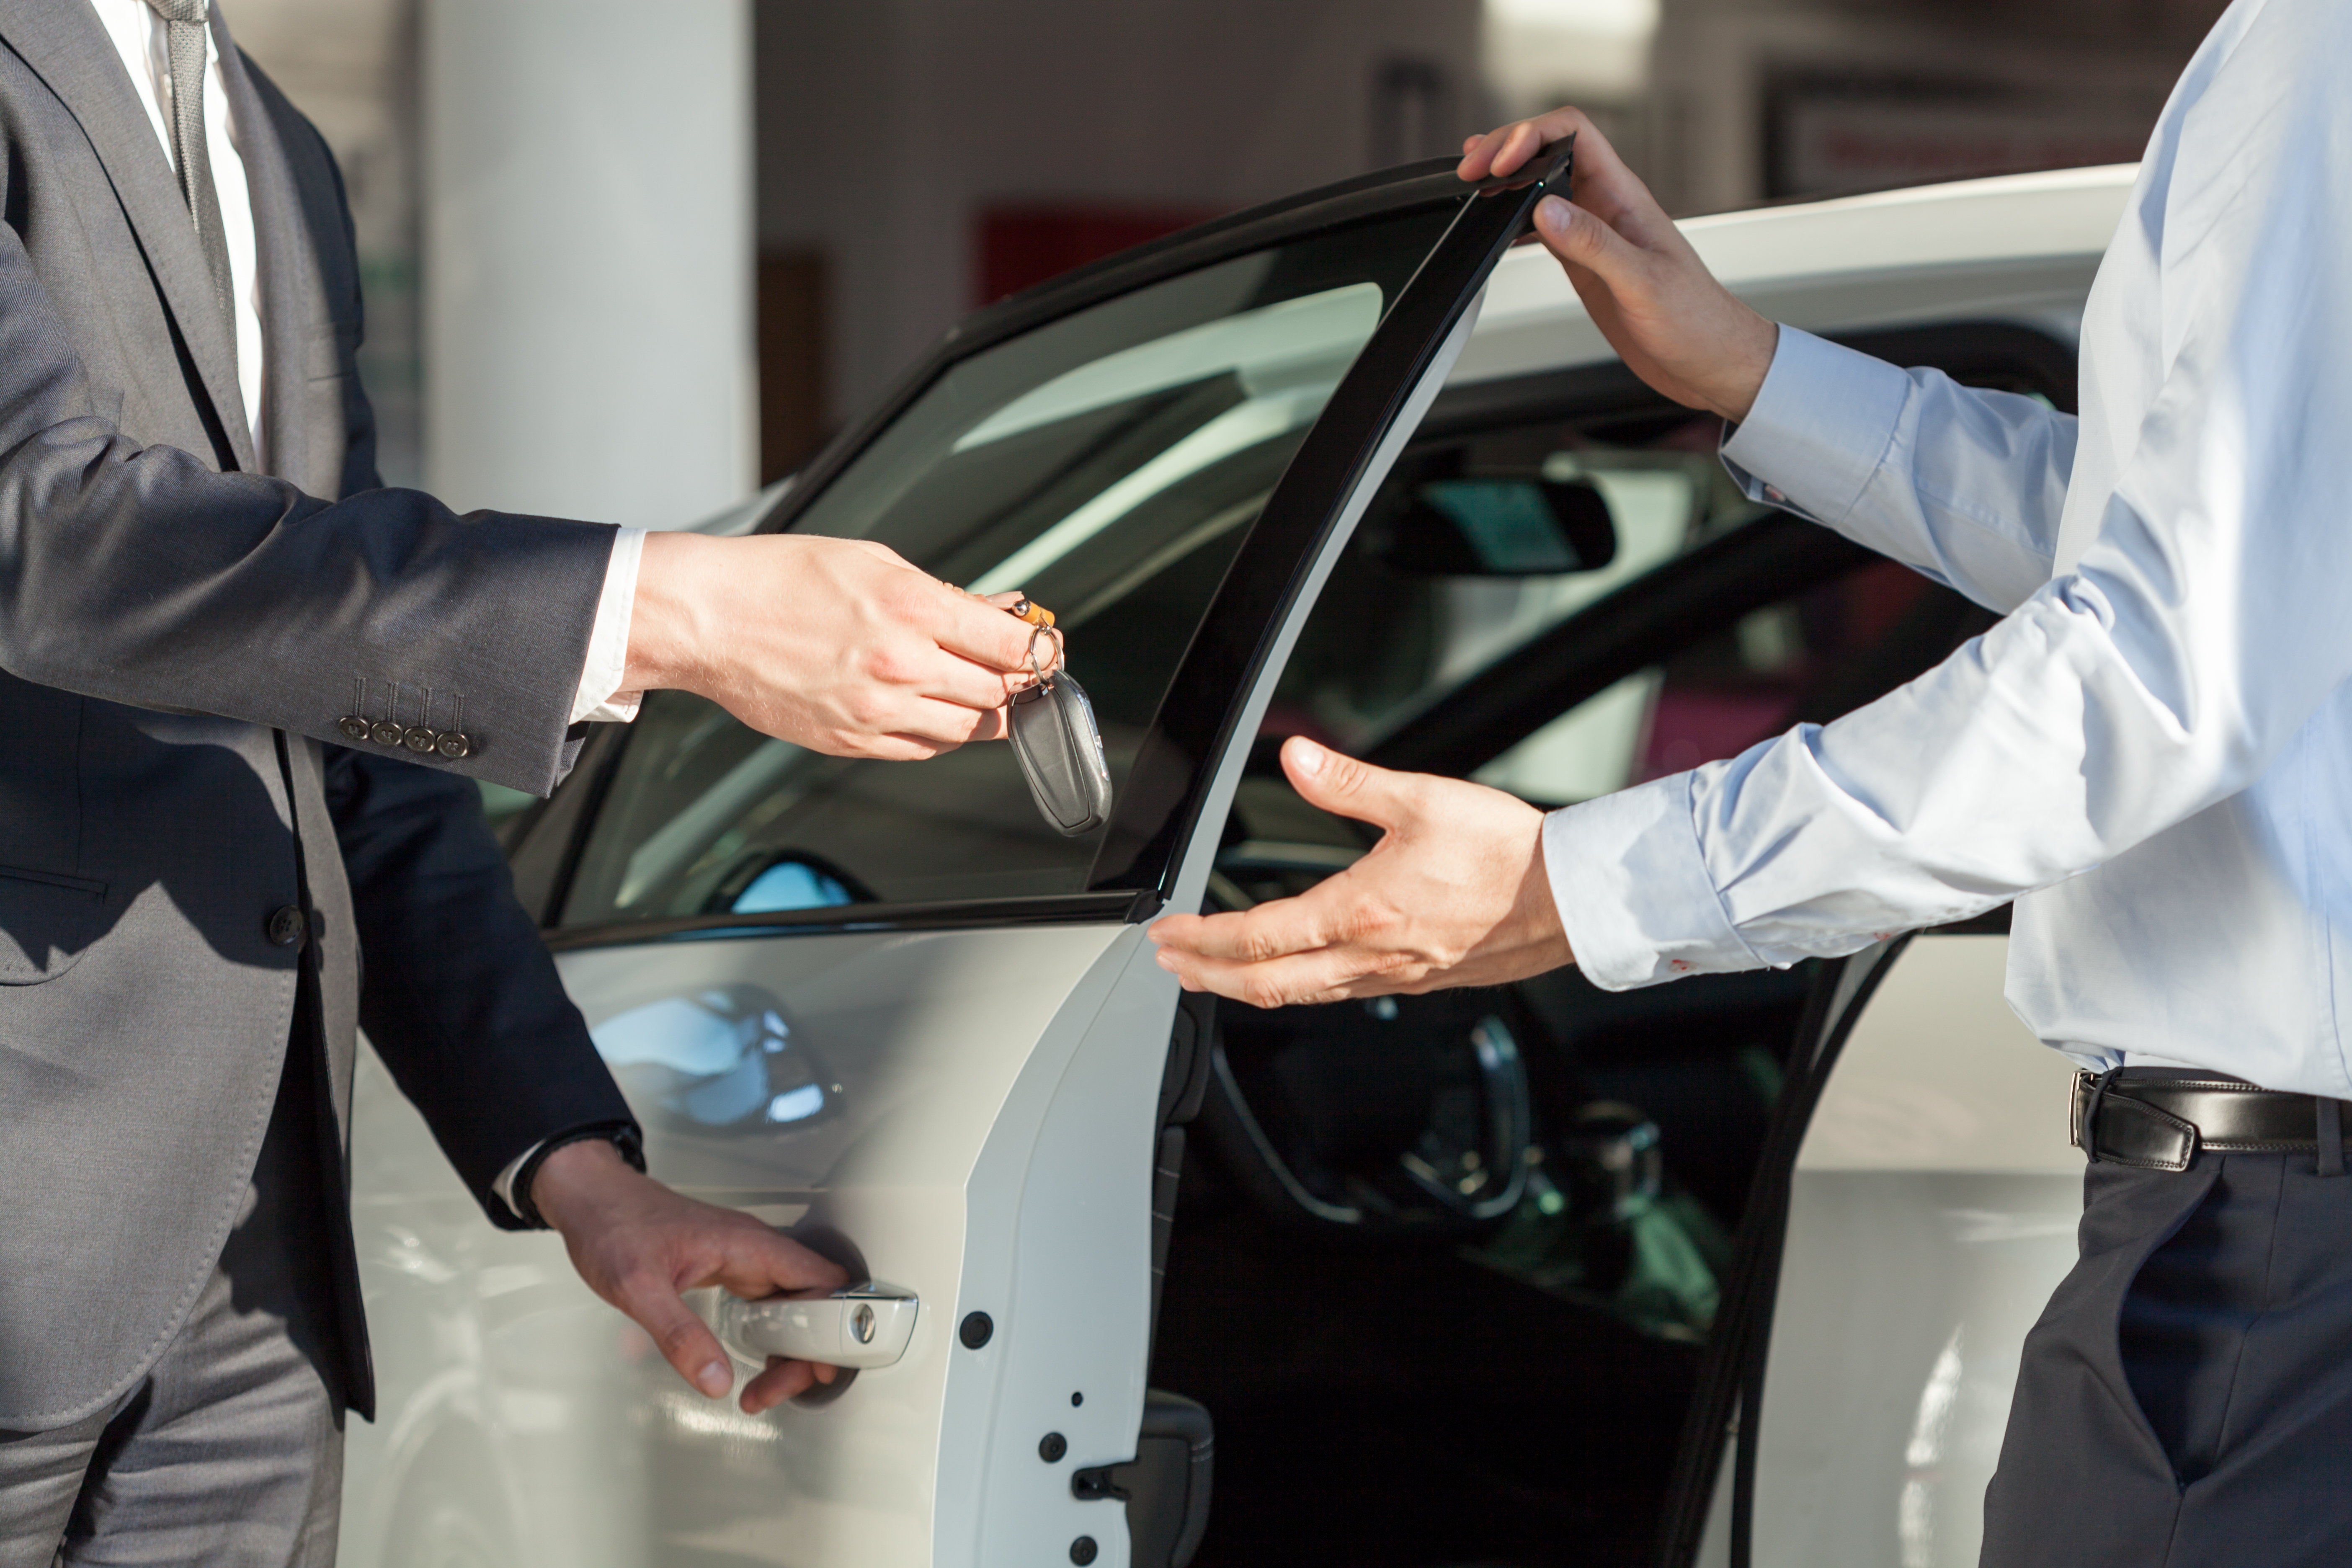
{"x":1109,"y":463}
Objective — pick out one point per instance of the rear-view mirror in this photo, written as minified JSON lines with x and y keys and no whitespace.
{"x":1492,"y":526}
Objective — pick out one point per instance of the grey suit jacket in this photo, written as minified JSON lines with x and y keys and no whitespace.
{"x":179,"y":637}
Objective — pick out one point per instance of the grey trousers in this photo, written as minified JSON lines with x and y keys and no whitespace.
{"x":229,"y":1451}
{"x":2186,"y":1400}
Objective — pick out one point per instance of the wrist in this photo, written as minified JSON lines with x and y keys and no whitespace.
{"x":664,"y":615}
{"x":1746,"y":366}
{"x":576,"y":1176}
{"x":1543,"y":933}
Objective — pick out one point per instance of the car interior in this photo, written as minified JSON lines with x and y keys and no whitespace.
{"x":1444,"y":1269}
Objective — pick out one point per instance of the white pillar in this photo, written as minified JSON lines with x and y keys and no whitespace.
{"x":587,"y":257}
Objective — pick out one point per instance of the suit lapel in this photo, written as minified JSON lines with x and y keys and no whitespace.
{"x":291,"y":289}
{"x":64,"y":43}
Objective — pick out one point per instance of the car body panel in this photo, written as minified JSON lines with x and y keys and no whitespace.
{"x":933,"y":1043}
{"x":1932,"y":1212}
{"x":1933,"y":1080}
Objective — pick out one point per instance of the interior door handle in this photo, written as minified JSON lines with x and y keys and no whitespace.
{"x":861,"y":1325}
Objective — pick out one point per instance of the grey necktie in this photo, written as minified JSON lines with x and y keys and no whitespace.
{"x":188,"y":149}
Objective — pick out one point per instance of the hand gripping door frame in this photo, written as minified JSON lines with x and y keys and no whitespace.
{"x":1282,"y":562}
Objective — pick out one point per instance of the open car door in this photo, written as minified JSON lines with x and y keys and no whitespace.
{"x":891,"y":1009}
{"x":1510,"y":1275}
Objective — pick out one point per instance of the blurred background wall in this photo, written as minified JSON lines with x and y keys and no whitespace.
{"x":626,"y":261}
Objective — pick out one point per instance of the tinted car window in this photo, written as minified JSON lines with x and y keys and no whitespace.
{"x":1111,"y":463}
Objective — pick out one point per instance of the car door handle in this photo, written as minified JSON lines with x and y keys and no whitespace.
{"x":862,"y":1325}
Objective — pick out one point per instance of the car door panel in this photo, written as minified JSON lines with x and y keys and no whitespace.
{"x":935,"y":1043}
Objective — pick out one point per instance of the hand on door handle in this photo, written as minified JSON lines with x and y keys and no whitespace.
{"x":862,"y":1325}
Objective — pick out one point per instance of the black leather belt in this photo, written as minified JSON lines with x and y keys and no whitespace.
{"x":2158,"y":1122}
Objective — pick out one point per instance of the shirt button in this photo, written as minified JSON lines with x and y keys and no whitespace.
{"x":287,"y":926}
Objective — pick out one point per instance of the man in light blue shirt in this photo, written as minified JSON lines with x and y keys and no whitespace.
{"x":2151,"y":755}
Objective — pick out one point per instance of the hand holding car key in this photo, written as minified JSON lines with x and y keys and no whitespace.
{"x":1053,"y":732}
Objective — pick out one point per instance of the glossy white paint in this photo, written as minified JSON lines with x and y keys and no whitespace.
{"x":512,"y":1397}
{"x":1939,"y":1075}
{"x":1933,"y":1211}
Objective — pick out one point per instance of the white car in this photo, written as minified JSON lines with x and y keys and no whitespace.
{"x":1732,"y":1271}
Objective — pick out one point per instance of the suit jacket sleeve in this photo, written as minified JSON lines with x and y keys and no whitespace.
{"x":457,"y":993}
{"x":138,"y":576}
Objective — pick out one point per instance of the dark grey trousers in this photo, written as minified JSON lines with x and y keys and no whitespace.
{"x":2186,"y":1400}
{"x":229,"y":1451}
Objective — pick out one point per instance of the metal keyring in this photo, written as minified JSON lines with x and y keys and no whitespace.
{"x":1059,"y":651}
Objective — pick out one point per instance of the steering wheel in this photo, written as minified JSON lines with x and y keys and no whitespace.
{"x":1402,"y":1113}
{"x":1405,"y":1114}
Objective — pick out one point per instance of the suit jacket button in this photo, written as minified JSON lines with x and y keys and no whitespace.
{"x":455,"y":746}
{"x":388,"y":733}
{"x":421,"y":740}
{"x":287,"y":926}
{"x":354,"y":727}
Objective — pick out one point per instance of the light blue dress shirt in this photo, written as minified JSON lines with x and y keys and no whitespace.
{"x":2152,"y":753}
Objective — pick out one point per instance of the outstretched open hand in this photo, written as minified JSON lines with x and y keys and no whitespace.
{"x":1453,"y":894}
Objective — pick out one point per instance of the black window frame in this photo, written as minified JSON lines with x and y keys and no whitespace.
{"x":1138,"y":861}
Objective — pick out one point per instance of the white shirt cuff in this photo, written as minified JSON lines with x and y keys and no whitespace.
{"x":599,"y":697}
{"x":1633,"y":892}
{"x":503,"y":1188}
{"x":1820,"y":428}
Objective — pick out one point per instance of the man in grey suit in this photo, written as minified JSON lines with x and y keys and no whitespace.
{"x":245,"y":691}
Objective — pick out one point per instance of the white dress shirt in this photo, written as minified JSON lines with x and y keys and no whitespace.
{"x":2152,"y":753}
{"x":143,"y":38}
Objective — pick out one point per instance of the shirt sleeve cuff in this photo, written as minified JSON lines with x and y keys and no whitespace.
{"x":1633,"y":892}
{"x":599,"y":697}
{"x":1821,"y":428}
{"x":504,"y":1186}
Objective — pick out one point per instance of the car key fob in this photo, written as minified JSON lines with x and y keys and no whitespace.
{"x":1061,"y":753}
